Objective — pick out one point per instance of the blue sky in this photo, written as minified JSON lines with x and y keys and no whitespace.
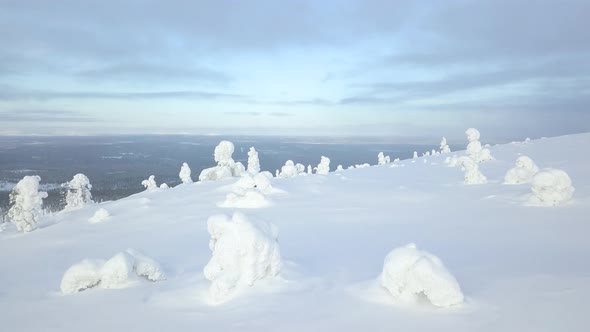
{"x":351,"y":67}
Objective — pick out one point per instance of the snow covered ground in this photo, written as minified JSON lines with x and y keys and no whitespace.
{"x":520,"y":267}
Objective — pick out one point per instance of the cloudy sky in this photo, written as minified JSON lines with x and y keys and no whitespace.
{"x":512,"y":68}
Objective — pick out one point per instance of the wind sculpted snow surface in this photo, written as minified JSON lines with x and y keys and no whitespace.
{"x":520,"y":267}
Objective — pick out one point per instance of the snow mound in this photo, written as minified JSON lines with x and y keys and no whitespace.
{"x":81,"y":276}
{"x":249,"y":192}
{"x":118,"y":272}
{"x":409,"y":273}
{"x":523,"y":172}
{"x":242,"y":253}
{"x":289,"y":170}
{"x":249,"y":199}
{"x":551,"y":187}
{"x":99,"y":216}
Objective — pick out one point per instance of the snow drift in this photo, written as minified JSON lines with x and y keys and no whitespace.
{"x":409,"y":273}
{"x":243,"y":252}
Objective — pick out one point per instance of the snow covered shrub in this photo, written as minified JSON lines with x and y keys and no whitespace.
{"x":415,"y":155}
{"x":551,"y":187}
{"x":339,"y":168}
{"x":242,"y":253}
{"x":253,"y":161}
{"x":382,"y":159}
{"x":99,"y":216}
{"x":26,"y":203}
{"x":81,"y":276}
{"x":77,"y":192}
{"x":289,"y":170}
{"x":145,"y":266}
{"x":185,"y":173}
{"x":150,"y":183}
{"x":409,"y":273}
{"x":117,"y":272}
{"x":472,"y":173}
{"x":474,"y":149}
{"x":324,"y":166}
{"x":300,"y":168}
{"x":523,"y":172}
{"x":164,"y":186}
{"x":309,"y":169}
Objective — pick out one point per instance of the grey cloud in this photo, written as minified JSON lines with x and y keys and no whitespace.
{"x":250,"y":113}
{"x":32,"y":115}
{"x":142,"y":72}
{"x":8,"y":93}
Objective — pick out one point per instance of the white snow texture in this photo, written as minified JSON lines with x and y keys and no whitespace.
{"x":551,"y":187}
{"x":242,"y":253}
{"x":26,"y":203}
{"x":409,"y":273}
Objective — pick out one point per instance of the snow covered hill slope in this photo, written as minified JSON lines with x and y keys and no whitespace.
{"x":520,"y":267}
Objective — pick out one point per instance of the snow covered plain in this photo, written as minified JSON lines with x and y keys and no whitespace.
{"x":520,"y":267}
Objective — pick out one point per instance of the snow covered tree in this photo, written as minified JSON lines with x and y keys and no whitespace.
{"x":324,"y":166}
{"x":472,"y":173}
{"x":474,"y":149}
{"x":444,"y":147}
{"x":309,"y":169}
{"x":77,"y":192}
{"x":226,"y":166}
{"x":382,"y":159}
{"x":185,"y":173}
{"x":289,"y":170}
{"x":223,"y":153}
{"x":415,"y":155}
{"x":253,"y":161}
{"x":26,"y":203}
{"x":150,"y":183}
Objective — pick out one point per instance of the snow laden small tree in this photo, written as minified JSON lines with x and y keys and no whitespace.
{"x":474,"y":149}
{"x":150,"y":183}
{"x":383,"y":159}
{"x":324,"y":166}
{"x":253,"y":161}
{"x":185,"y":174}
{"x":415,"y":155}
{"x":472,"y":173}
{"x":77,"y":192}
{"x":26,"y":203}
{"x":223,"y":153}
{"x":444,"y":147}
